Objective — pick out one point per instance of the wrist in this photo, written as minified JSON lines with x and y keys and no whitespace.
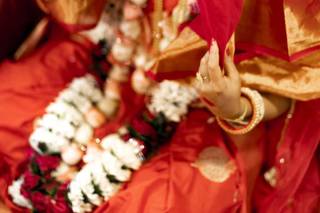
{"x":241,"y":111}
{"x":243,"y":125}
{"x":246,"y":102}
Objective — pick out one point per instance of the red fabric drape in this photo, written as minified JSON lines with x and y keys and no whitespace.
{"x":169,"y":182}
{"x":297,"y":162}
{"x":217,"y":20}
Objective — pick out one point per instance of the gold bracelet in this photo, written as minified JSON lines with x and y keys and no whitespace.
{"x":241,"y":119}
{"x":257,"y":114}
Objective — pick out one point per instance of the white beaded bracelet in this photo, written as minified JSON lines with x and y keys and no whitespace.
{"x":257,"y":115}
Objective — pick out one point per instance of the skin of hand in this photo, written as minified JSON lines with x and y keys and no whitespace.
{"x":220,"y":89}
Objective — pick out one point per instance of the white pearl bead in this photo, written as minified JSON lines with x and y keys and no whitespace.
{"x":108,"y":106}
{"x":140,"y":83}
{"x":122,"y":52}
{"x":84,"y":134}
{"x":71,"y":155}
{"x":131,"y":29}
{"x":95,"y":118}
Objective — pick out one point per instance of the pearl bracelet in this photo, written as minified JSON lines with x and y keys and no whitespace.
{"x":257,"y":114}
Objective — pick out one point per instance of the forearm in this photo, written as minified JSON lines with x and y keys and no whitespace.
{"x":274,"y":106}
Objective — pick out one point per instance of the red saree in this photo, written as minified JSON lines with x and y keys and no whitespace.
{"x":197,"y":171}
{"x":297,"y":163}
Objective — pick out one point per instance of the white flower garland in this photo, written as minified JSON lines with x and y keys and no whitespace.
{"x":172,"y":99}
{"x":107,"y":174}
{"x":67,"y":119}
{"x":127,"y":152}
{"x":17,"y":197}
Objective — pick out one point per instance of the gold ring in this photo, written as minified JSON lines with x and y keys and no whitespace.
{"x":201,"y":78}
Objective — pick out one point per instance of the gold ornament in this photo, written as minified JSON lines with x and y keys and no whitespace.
{"x":214,"y":164}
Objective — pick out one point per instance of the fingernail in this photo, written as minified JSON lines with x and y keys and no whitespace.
{"x":213,"y":43}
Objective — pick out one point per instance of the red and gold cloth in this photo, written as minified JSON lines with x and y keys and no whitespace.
{"x":277,"y":49}
{"x":286,"y":29}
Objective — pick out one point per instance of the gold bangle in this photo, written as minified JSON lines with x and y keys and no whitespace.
{"x":257,"y":114}
{"x":241,"y":119}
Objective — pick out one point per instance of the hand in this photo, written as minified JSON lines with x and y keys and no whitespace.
{"x":220,"y":89}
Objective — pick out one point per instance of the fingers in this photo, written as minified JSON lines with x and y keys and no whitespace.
{"x":215,"y":72}
{"x":202,"y":74}
{"x":230,"y":50}
{"x":230,"y":68}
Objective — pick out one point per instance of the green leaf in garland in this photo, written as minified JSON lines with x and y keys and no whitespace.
{"x":85,"y":197}
{"x":66,"y":197}
{"x":52,"y":192}
{"x":97,"y":189}
{"x":124,"y":167}
{"x":113,"y":179}
{"x":43,"y":147}
{"x":137,"y":135}
{"x":35,"y":169}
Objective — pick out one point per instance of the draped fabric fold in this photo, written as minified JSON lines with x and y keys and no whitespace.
{"x":298,"y":79}
{"x":217,"y":20}
{"x":286,"y":29}
{"x":283,"y":37}
{"x":297,"y":163}
{"x":197,"y":161}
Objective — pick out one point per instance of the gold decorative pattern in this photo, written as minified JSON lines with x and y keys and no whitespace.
{"x":214,"y":164}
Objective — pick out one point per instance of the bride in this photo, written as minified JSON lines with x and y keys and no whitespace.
{"x":216,"y":153}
